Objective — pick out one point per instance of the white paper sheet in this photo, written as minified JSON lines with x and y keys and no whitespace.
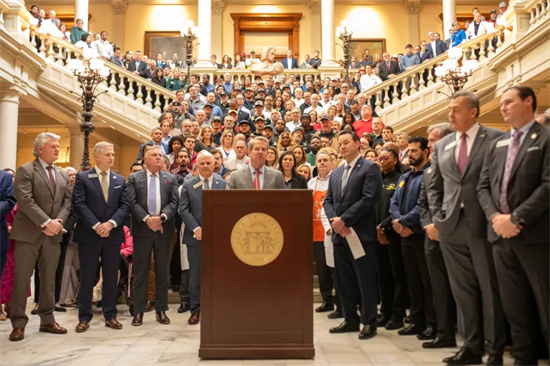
{"x":355,"y":244}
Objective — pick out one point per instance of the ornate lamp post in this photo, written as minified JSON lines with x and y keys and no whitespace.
{"x":190,"y":34}
{"x":344,"y":34}
{"x":455,"y":71}
{"x":90,"y":72}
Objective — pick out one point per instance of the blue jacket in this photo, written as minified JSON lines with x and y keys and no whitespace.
{"x":458,"y":37}
{"x":411,"y":182}
{"x":7,"y":202}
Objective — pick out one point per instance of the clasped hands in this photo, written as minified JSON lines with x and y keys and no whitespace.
{"x":104,"y":229}
{"x":339,"y":226}
{"x":503,"y":226}
{"x":404,"y":231}
{"x":154,"y":223}
{"x":53,"y":228}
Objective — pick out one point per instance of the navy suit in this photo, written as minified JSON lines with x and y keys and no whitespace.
{"x":440,"y":48}
{"x":428,"y":54}
{"x":7,"y":202}
{"x":91,"y":209}
{"x":356,"y":206}
{"x":190,"y":210}
{"x":294,"y":63}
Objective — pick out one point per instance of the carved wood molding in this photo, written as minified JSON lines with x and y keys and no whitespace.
{"x":270,"y":22}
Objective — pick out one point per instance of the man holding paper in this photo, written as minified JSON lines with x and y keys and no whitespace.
{"x":350,"y":204}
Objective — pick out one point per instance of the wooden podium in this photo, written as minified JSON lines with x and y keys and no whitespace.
{"x":257,"y":311}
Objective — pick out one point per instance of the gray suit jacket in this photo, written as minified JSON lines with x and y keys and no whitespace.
{"x":242,"y":179}
{"x":137,"y":194}
{"x":190,"y":206}
{"x":38,"y":202}
{"x":449,"y":189}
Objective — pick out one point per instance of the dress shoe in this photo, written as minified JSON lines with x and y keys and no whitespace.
{"x":439,"y":343}
{"x":367,"y":332}
{"x":162,"y":318}
{"x":82,"y":326}
{"x":412,"y":329}
{"x":113,"y":323}
{"x":495,"y":360}
{"x":176,"y":288}
{"x":394,"y":325}
{"x":53,"y":328}
{"x":195,"y":318}
{"x":183,"y":308}
{"x":381,"y":322}
{"x":17,"y":334}
{"x":325,"y":307}
{"x":60,"y":309}
{"x":149,"y":307}
{"x":429,"y":333}
{"x":34,"y":311}
{"x":138,"y":320}
{"x":464,"y":357}
{"x":336,"y":314}
{"x":345,"y":327}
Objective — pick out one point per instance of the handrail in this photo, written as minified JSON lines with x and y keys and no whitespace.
{"x":241,"y":74}
{"x":120,"y":80}
{"x":405,"y":83}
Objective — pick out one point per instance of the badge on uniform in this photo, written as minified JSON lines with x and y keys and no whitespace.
{"x":503,"y":143}
{"x":533,"y":136}
{"x":92,"y":176}
{"x":197,"y":185}
{"x":429,"y":170}
{"x":450,"y":146}
{"x":401,"y":184}
{"x":390,"y":187}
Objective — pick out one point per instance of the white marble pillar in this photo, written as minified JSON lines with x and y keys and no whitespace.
{"x":9,"y":113}
{"x":81,"y":12}
{"x":413,"y":9}
{"x":119,"y":9}
{"x":205,"y":33}
{"x":315,"y":14}
{"x":217,"y":30}
{"x":328,"y":33}
{"x":449,"y":17}
{"x":77,"y":147}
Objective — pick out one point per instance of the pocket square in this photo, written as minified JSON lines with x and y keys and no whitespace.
{"x":117,"y":187}
{"x":533,"y":148}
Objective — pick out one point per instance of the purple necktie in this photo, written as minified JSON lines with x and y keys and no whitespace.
{"x":510,"y":158}
{"x":463,"y":153}
{"x":152,"y":199}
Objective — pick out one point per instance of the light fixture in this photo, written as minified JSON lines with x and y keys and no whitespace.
{"x":344,"y":33}
{"x":455,"y":70}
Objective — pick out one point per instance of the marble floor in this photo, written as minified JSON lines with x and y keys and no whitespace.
{"x":177,"y":344}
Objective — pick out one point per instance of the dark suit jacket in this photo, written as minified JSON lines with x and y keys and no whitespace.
{"x":528,"y":192}
{"x":116,"y":61}
{"x":427,"y":55}
{"x":7,"y":203}
{"x":137,"y":195}
{"x":190,"y":205}
{"x":142,"y":67}
{"x":449,"y":189}
{"x":38,"y":201}
{"x":299,"y":183}
{"x":423,"y":203}
{"x":440,"y":47}
{"x":91,"y":208}
{"x":287,"y":66}
{"x":448,"y":43}
{"x":356,"y":206}
{"x":383,"y":71}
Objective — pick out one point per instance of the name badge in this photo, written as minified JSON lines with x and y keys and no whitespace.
{"x":503,"y":143}
{"x":401,"y":184}
{"x":450,"y":146}
{"x":92,"y":176}
{"x":197,"y":185}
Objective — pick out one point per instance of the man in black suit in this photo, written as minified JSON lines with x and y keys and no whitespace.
{"x":436,"y":46}
{"x":350,"y":205}
{"x":462,"y":227}
{"x":153,"y":199}
{"x":514,"y":193}
{"x":138,"y":66}
{"x":387,"y":68}
{"x":444,"y":303}
{"x":101,"y":203}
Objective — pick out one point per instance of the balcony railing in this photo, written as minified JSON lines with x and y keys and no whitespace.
{"x":539,"y":10}
{"x":241,"y":75}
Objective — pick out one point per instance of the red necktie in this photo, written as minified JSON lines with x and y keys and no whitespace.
{"x":388,"y":65}
{"x":52,"y":180}
{"x":257,"y":180}
{"x":463,"y":153}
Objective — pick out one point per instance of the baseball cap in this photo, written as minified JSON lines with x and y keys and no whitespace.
{"x":362,"y":68}
{"x":216,"y":119}
{"x":244,"y":54}
{"x":259,"y":118}
{"x":238,"y":89}
{"x":223,"y":94}
{"x":252,"y":51}
{"x":502,"y":5}
{"x":260,"y":82}
{"x":268,"y":126}
{"x":493,"y":11}
{"x":325,"y":116}
{"x":248,"y":89}
{"x":261,"y":90}
{"x":233,"y":111}
{"x":244,"y":121}
{"x":305,"y":115}
{"x":208,"y":105}
{"x":258,"y":103}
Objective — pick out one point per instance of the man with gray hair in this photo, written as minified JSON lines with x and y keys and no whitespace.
{"x":43,"y":193}
{"x":444,"y":303}
{"x":101,"y":203}
{"x":256,"y":175}
{"x":402,"y":140}
{"x":156,"y":139}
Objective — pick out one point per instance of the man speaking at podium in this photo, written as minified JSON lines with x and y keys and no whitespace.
{"x":256,"y":175}
{"x":350,"y":203}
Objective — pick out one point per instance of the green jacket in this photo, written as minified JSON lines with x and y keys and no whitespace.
{"x":174,"y":84}
{"x":76,"y":34}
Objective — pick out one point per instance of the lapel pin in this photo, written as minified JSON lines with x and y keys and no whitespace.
{"x":533,"y":136}
{"x":481,"y":135}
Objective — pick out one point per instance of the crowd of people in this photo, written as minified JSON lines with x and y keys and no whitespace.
{"x":400,"y":201}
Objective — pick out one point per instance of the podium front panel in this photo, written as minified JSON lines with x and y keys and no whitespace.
{"x":257,"y":311}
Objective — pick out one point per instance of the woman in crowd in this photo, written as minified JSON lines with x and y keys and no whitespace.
{"x":348,"y":119}
{"x":346,"y":127}
{"x":285,"y":142}
{"x":331,"y":111}
{"x":85,"y":41}
{"x":272,"y":157}
{"x":174,"y":146}
{"x":356,"y":82}
{"x":287,"y":165}
{"x":247,"y":81}
{"x":335,"y":125}
{"x":340,"y":110}
{"x":6,"y":286}
{"x":227,"y":141}
{"x":278,"y":105}
{"x":63,"y":29}
{"x":127,"y":58}
{"x":158,"y":77}
{"x":174,"y":82}
{"x":206,"y":142}
{"x":305,"y":171}
{"x":239,"y":63}
{"x":371,"y":155}
{"x":226,"y":62}
{"x":300,"y":155}
{"x":169,"y":117}
{"x":314,"y":120}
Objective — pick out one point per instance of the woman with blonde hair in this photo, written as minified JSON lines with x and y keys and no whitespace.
{"x":174,"y":81}
{"x":305,"y":171}
{"x":206,"y":142}
{"x":227,"y":140}
{"x":285,"y":142}
{"x":272,"y":158}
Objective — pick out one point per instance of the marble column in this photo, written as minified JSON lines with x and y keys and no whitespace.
{"x":77,"y":147}
{"x":205,"y":33}
{"x":413,"y":9}
{"x":315,"y":14}
{"x":81,"y":12}
{"x":449,"y":16}
{"x":328,"y":33}
{"x":119,"y":8}
{"x":9,"y":114}
{"x":217,"y":30}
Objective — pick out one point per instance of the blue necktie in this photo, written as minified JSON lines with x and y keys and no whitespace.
{"x":152,"y":200}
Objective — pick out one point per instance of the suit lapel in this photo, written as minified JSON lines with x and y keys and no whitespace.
{"x":144,"y":191}
{"x":528,"y":141}
{"x":480,"y":138}
{"x":97,"y":183}
{"x":42,"y":172}
{"x":162,"y":182}
{"x":250,"y":179}
{"x":451,"y":156}
{"x":500,"y":157}
{"x":59,"y":181}
{"x":337,"y":180}
{"x":112,"y":182}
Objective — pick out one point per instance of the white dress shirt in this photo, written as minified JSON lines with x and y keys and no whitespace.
{"x":368,"y":81}
{"x":299,"y":102}
{"x":289,"y":63}
{"x":292,"y":126}
{"x":320,"y":110}
{"x":104,"y":48}
{"x":48,"y":26}
{"x":471,"y":133}
{"x":157,"y":182}
{"x":434,"y":48}
{"x":209,"y":181}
